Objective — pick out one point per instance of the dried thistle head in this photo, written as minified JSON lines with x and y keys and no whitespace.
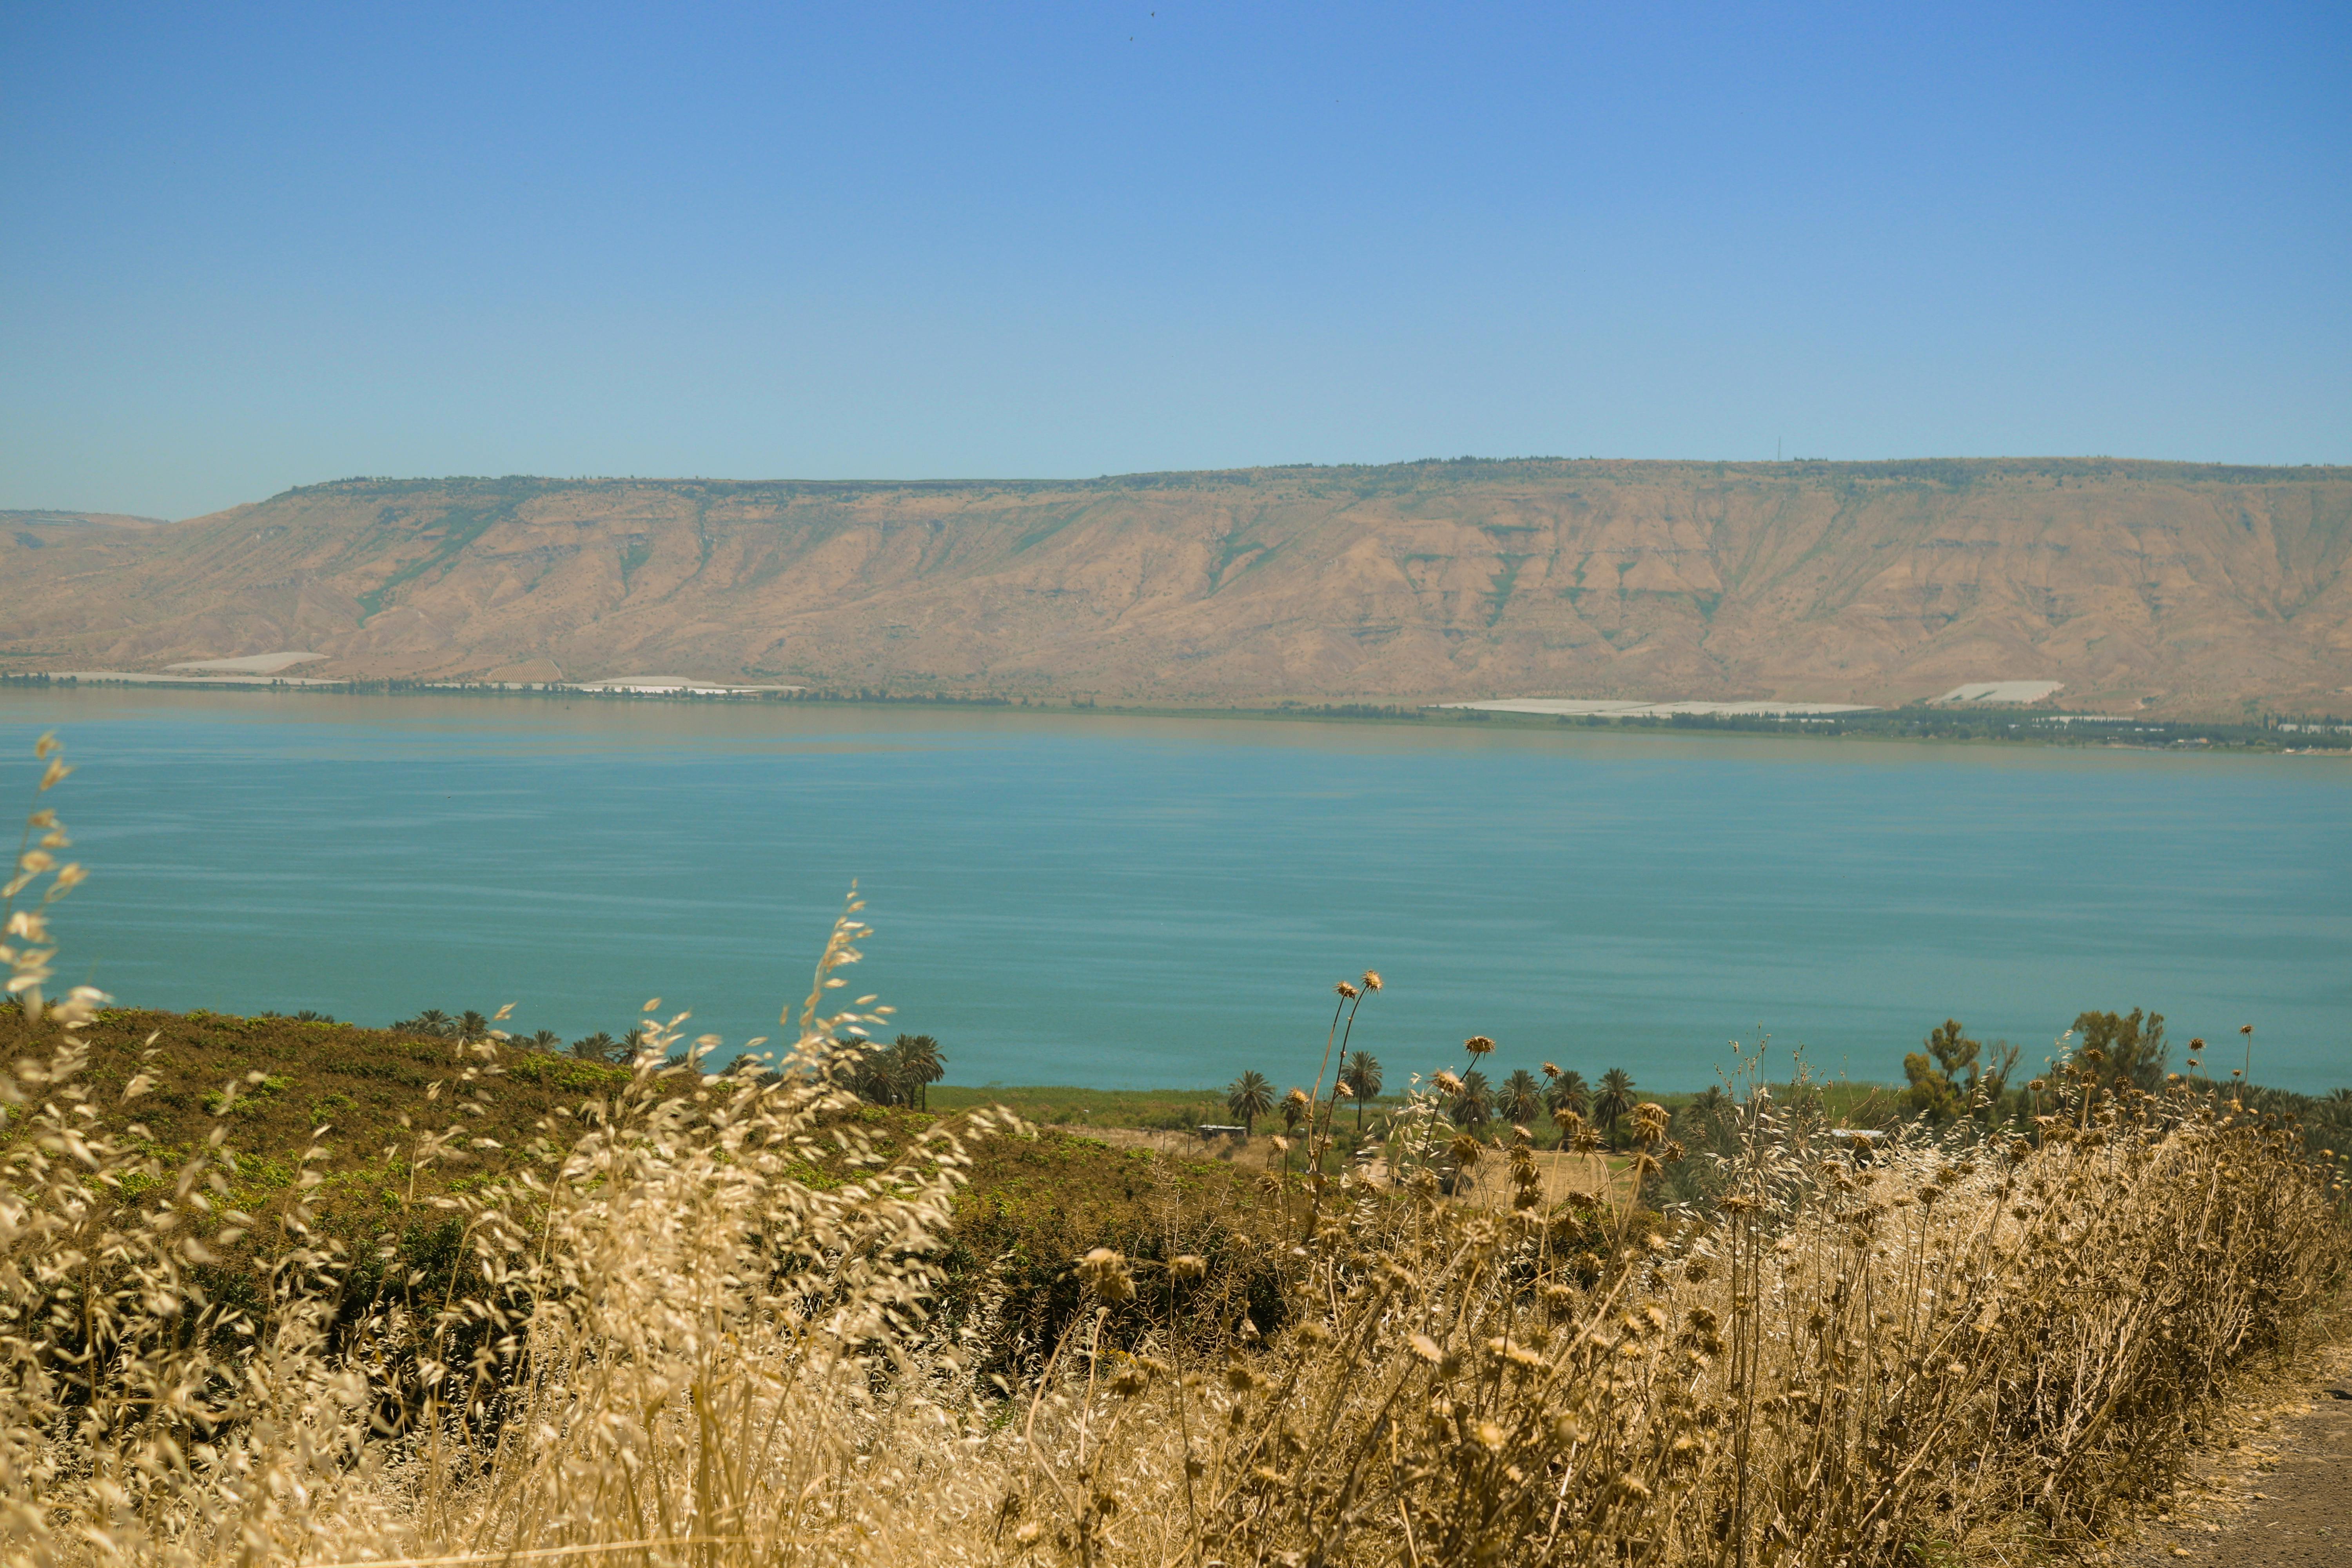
{"x":1135,"y":1375}
{"x":1106,"y":1273}
{"x":1478,"y":1045}
{"x":1371,"y":980}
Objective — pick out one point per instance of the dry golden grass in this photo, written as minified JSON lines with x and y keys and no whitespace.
{"x":673,"y":1350}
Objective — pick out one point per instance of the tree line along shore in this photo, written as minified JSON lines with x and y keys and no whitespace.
{"x":2254,"y":730}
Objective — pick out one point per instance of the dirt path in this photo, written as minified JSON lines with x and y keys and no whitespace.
{"x":2276,"y":1493}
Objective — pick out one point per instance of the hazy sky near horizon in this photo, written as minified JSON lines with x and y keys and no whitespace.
{"x":248,"y":247}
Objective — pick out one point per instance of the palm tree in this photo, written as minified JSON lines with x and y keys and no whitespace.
{"x":1616,"y":1098}
{"x":873,"y":1069}
{"x":1568,"y":1092}
{"x":1522,"y":1100}
{"x":1476,"y":1104}
{"x":1361,"y":1074}
{"x":631,"y":1043}
{"x":308,"y":1017}
{"x":920,"y":1065}
{"x":545,"y":1040}
{"x":432,"y":1021}
{"x":1249,"y":1097}
{"x":599,"y":1047}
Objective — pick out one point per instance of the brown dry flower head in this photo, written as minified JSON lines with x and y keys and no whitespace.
{"x":1106,"y":1273}
{"x":1371,"y":980}
{"x":1478,"y":1045}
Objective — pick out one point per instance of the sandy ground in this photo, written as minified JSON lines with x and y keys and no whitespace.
{"x":251,"y":663}
{"x":149,"y":678}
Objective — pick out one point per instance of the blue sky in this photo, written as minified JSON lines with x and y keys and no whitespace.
{"x":244,"y":247}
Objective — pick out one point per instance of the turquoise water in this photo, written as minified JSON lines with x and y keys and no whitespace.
{"x":1076,"y":899}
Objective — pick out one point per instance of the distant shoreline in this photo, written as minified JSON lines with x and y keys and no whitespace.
{"x":2278,"y":736}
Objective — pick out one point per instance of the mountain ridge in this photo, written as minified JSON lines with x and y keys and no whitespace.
{"x":2166,"y":587}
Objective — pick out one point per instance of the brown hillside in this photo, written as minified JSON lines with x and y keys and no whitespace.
{"x":2186,"y":588}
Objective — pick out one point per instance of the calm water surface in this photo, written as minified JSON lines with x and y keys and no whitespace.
{"x":1072,"y":899}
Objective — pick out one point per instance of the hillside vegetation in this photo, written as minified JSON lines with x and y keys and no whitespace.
{"x":738,"y":1318}
{"x":2185,"y":589}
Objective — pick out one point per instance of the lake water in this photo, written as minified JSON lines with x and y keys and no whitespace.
{"x":1074,"y":898}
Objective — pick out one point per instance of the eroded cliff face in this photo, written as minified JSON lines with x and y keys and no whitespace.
{"x":2185,"y":588}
